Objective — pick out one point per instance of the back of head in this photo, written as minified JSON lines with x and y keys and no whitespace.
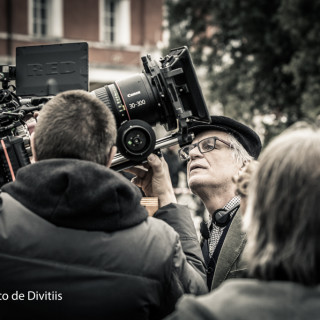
{"x":75,"y":124}
{"x":282,"y":219}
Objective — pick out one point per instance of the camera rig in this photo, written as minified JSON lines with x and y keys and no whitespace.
{"x":15,"y":147}
{"x":167,"y":93}
{"x":40,"y":73}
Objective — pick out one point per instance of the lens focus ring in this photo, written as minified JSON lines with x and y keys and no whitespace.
{"x":102,"y":94}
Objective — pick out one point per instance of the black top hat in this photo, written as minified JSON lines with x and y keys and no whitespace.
{"x":246,"y":136}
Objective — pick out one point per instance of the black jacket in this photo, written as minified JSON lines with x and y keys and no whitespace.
{"x":75,"y":242}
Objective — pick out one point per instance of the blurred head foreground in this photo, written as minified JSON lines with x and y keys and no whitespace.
{"x":282,"y":220}
{"x":242,"y":180}
{"x":75,"y":124}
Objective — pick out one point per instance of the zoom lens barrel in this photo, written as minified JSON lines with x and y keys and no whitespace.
{"x":132,"y":98}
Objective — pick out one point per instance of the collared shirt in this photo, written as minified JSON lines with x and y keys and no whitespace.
{"x":215,"y":232}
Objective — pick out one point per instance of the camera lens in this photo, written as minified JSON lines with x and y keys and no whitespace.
{"x":136,"y":139}
{"x":132,"y":98}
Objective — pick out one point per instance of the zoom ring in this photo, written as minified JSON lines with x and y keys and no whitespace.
{"x":102,"y":94}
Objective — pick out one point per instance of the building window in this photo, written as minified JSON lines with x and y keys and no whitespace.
{"x":41,"y":13}
{"x":109,"y":20}
{"x":115,"y":22}
{"x":40,"y":18}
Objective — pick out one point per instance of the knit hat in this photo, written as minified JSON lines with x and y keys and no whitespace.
{"x":245,"y":135}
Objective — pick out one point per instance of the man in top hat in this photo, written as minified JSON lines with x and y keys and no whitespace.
{"x":217,"y":153}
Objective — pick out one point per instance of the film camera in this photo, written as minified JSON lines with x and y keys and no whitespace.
{"x":40,"y":73}
{"x":168,"y":94}
{"x":165,"y":92}
{"x":15,"y":147}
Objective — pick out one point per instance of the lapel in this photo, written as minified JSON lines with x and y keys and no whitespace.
{"x":230,"y":251}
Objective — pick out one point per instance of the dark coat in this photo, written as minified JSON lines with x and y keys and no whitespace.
{"x":248,"y":299}
{"x":75,"y":241}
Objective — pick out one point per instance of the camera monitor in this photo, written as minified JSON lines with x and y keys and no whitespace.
{"x":49,"y":69}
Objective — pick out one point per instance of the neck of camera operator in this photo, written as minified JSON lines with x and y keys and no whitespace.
{"x":210,"y":173}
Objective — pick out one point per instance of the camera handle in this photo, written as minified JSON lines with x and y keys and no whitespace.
{"x":119,"y":162}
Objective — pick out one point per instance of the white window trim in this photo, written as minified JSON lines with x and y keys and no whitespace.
{"x":123,"y":23}
{"x":55,"y":19}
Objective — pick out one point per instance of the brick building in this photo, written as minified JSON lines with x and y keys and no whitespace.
{"x":118,"y":32}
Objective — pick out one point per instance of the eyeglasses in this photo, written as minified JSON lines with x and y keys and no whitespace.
{"x":204,"y":146}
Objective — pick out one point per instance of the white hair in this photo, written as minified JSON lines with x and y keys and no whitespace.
{"x":239,"y":153}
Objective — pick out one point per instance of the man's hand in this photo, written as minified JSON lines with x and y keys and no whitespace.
{"x":154,"y":180}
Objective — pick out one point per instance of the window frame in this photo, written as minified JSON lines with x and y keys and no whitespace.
{"x":54,"y":19}
{"x":122,"y":23}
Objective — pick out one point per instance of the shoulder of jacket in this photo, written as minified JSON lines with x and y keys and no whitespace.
{"x":162,"y":229}
{"x":9,"y":203}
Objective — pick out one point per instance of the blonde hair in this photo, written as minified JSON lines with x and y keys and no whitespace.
{"x":282,"y":219}
{"x":243,"y":179}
